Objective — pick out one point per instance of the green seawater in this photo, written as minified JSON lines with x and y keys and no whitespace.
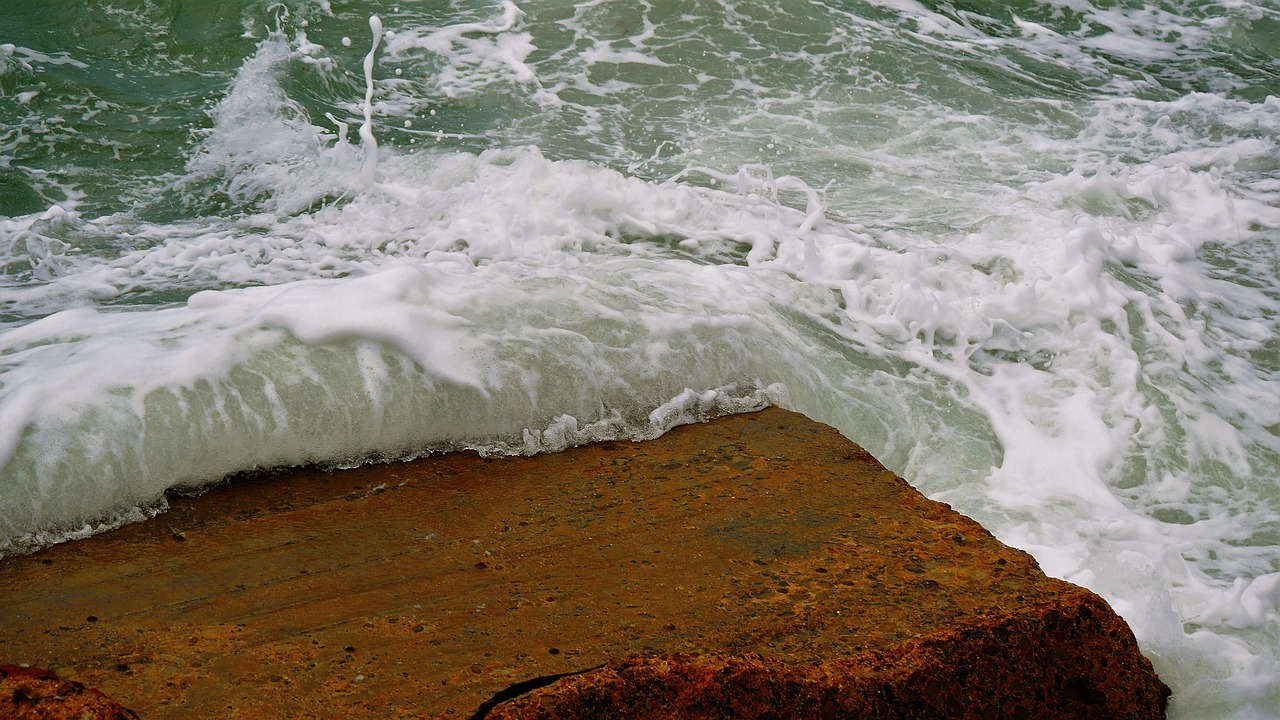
{"x":126,"y":88}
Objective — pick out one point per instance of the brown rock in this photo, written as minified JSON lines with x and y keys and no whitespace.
{"x":755,"y":566}
{"x":962,"y":672}
{"x":37,"y":694}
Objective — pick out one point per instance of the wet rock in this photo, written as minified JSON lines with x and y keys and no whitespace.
{"x":754,"y":566}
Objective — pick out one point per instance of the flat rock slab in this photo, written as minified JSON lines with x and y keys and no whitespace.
{"x":758,"y":565}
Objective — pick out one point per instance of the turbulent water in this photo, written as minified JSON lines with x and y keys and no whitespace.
{"x":1027,"y":254}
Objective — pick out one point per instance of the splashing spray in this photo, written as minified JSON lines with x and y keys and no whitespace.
{"x":367,"y":140}
{"x":366,"y":128}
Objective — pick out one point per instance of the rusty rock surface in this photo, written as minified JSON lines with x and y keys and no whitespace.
{"x":755,"y":566}
{"x":28,"y":693}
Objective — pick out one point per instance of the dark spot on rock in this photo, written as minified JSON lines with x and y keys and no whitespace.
{"x":349,"y":649}
{"x":482,"y":565}
{"x":1082,"y":690}
{"x":554,"y":651}
{"x":20,"y":696}
{"x":92,"y":618}
{"x":122,"y":667}
{"x":47,"y":561}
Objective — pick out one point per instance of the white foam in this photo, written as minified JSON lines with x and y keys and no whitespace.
{"x":472,"y":56}
{"x":27,"y":59}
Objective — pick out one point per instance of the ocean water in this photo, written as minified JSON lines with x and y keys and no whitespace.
{"x":1026,"y":253}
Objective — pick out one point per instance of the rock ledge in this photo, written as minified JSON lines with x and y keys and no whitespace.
{"x":756,"y":566}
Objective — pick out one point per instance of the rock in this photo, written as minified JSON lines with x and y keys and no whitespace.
{"x":37,"y":694}
{"x":754,"y":566}
{"x":962,"y":672}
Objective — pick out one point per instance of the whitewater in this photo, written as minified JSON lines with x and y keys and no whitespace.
{"x":1027,"y":254}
